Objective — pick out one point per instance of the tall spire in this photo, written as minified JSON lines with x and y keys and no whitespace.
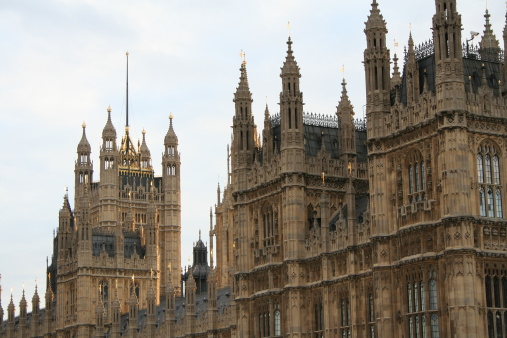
{"x":109,"y":132}
{"x":84,"y":145}
{"x":290,"y":66}
{"x":345,"y":105}
{"x":489,"y":45}
{"x":243,"y":90}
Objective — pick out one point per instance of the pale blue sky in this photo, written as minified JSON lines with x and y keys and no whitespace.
{"x":63,"y":62}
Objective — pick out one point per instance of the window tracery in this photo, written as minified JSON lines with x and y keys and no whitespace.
{"x":421,"y":289}
{"x":496,"y":299}
{"x":416,"y":176}
{"x":488,"y":178}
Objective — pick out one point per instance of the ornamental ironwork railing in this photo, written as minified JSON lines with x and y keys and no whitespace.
{"x":487,"y":54}
{"x":421,"y":51}
{"x":321,"y":120}
{"x":360,"y":124}
{"x":469,"y":51}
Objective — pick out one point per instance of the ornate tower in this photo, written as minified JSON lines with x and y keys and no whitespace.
{"x":109,"y":164}
{"x":83,"y":171}
{"x":347,"y":130}
{"x":244,"y":131}
{"x":170,"y":227}
{"x":291,"y":115}
{"x":448,"y":56}
{"x":377,"y":71}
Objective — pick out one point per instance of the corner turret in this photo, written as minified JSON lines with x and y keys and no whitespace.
{"x":450,"y":84}
{"x":291,"y":115}
{"x":84,"y":167}
{"x":170,"y":214}
{"x":377,"y":70}
{"x":244,"y":131}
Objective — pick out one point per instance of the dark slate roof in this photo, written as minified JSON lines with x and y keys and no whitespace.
{"x":313,"y":140}
{"x":472,"y":66}
{"x":224,"y":299}
{"x":315,"y":135}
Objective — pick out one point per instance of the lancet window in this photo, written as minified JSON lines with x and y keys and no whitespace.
{"x":416,"y":177}
{"x":421,"y":290}
{"x":371,"y":316}
{"x":496,"y":300}
{"x":488,"y":178}
{"x":268,"y":225}
{"x":345,"y":318}
{"x":318,"y":318}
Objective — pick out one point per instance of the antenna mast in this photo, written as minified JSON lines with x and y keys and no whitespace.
{"x":127,"y":105}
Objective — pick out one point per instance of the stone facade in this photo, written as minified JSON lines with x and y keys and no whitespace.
{"x":327,"y":227}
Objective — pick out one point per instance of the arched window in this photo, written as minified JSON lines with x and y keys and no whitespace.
{"x":480,"y":169}
{"x":371,"y":316}
{"x":416,"y":176}
{"x":268,"y":226}
{"x":488,"y":178}
{"x":278,"y":329}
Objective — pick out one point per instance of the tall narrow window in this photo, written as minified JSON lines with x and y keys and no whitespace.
{"x":409,"y":297}
{"x":416,"y":298}
{"x":433,"y":294}
{"x":480,"y":169}
{"x":417,"y":188}
{"x":435,"y":332}
{"x":488,"y":178}
{"x":423,"y":176}
{"x":498,"y":205}
{"x":423,"y":324}
{"x":496,"y":170}
{"x":488,"y":169}
{"x":482,"y":201}
{"x":410,"y":179}
{"x":277,"y":323}
{"x":421,"y":289}
{"x":490,"y":204}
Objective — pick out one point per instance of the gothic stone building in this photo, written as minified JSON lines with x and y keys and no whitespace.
{"x":327,"y":227}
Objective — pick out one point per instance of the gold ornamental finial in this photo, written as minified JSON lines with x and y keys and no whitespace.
{"x":83,"y":125}
{"x":109,"y":108}
{"x":171,"y":116}
{"x":143,"y":132}
{"x":127,"y":53}
{"x":242,"y":55}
